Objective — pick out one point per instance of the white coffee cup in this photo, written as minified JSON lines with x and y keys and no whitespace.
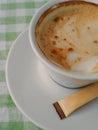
{"x":62,"y":77}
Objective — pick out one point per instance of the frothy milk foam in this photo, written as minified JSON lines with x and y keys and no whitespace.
{"x":67,"y":34}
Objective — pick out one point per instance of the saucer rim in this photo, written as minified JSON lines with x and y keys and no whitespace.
{"x":9,"y":88}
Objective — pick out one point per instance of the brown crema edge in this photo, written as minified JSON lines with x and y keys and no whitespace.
{"x":67,"y":3}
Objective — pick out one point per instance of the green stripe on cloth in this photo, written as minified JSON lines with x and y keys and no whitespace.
{"x":8,"y":36}
{"x":15,"y":19}
{"x":2,"y":76}
{"x":18,"y":126}
{"x":6,"y":101}
{"x":3,"y":55}
{"x":21,"y":5}
{"x":12,"y":126}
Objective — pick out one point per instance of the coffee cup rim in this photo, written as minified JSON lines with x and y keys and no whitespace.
{"x":40,"y":55}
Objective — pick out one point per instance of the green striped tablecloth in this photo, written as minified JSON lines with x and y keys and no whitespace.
{"x":15,"y":16}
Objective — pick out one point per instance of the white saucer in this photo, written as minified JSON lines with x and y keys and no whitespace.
{"x":34,"y":92}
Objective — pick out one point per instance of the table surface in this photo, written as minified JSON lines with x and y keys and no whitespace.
{"x":15,"y":16}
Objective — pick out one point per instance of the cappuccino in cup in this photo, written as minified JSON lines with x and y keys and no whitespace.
{"x":67,"y":34}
